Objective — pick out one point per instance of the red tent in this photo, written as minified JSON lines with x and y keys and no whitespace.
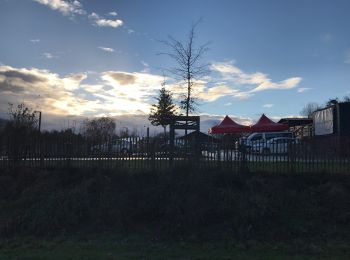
{"x":228,"y":126}
{"x":265,"y":124}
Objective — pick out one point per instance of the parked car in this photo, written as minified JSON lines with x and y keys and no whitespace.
{"x":279,"y":145}
{"x":260,"y":138}
{"x":119,"y":146}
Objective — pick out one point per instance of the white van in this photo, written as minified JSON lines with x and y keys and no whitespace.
{"x":256,"y":138}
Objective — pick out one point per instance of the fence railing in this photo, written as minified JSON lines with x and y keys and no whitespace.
{"x":311,"y":155}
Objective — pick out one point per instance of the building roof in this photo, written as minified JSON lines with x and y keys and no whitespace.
{"x":296,"y":121}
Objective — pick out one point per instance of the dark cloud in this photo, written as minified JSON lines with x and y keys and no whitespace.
{"x":27,"y":77}
{"x":122,"y":78}
{"x":6,"y":85}
{"x":11,"y":83}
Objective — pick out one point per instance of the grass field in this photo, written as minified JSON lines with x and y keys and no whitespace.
{"x":185,"y":213}
{"x":112,"y":248}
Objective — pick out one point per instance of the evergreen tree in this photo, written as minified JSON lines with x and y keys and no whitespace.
{"x":162,"y":112}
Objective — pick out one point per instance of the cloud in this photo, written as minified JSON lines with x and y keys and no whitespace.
{"x":131,"y":91}
{"x":107,"y":49}
{"x":266,"y":84}
{"x":116,"y":92}
{"x":34,"y":40}
{"x":204,"y":91}
{"x":35,"y":86}
{"x":210,"y":94}
{"x":65,"y":7}
{"x":122,"y":78}
{"x":233,"y":82}
{"x":268,"y":105}
{"x":11,"y":74}
{"x":101,"y":22}
{"x":254,"y":82}
{"x":73,"y":7}
{"x":113,"y":13}
{"x":49,"y":55}
{"x":302,"y":90}
{"x":144,"y":63}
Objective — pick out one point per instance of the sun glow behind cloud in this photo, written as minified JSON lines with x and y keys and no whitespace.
{"x":120,"y":92}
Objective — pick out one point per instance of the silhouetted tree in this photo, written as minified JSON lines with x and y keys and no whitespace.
{"x":162,"y":112}
{"x":20,"y":130}
{"x":99,"y":129}
{"x":124,"y":132}
{"x":188,"y":65}
{"x":309,"y":108}
{"x":21,"y":117}
{"x":332,"y":101}
{"x":346,"y":98}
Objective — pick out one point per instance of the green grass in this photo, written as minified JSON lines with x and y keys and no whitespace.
{"x":109,"y":248}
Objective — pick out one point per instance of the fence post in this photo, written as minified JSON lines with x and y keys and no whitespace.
{"x":219,"y":156}
{"x":292,"y":159}
{"x":153,"y":157}
{"x":41,"y":154}
{"x":243,"y":160}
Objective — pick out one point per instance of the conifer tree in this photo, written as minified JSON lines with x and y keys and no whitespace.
{"x":163,"y":110}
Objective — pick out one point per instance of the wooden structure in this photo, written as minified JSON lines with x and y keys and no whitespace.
{"x":181,"y":123}
{"x":301,"y":127}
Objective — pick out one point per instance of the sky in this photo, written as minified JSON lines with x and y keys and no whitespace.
{"x":77,"y":59}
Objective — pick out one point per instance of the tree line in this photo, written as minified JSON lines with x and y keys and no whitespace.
{"x":311,"y":107}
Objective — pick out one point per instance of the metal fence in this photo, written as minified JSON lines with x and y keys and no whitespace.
{"x":331,"y":154}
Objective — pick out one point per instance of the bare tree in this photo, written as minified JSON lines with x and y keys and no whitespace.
{"x":332,"y":101}
{"x":188,"y":64}
{"x":309,"y":108}
{"x":99,"y":129}
{"x":346,"y":98}
{"x":20,"y":130}
{"x":22,"y":117}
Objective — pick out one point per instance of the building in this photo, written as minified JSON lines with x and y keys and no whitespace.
{"x":301,"y":127}
{"x":332,"y":120}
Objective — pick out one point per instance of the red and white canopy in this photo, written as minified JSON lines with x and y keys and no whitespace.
{"x":265,"y":124}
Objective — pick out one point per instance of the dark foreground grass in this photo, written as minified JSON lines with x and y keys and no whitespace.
{"x":131,"y":248}
{"x":186,"y":213}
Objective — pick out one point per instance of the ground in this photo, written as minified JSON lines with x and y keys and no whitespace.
{"x":182,"y":213}
{"x":116,"y":248}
